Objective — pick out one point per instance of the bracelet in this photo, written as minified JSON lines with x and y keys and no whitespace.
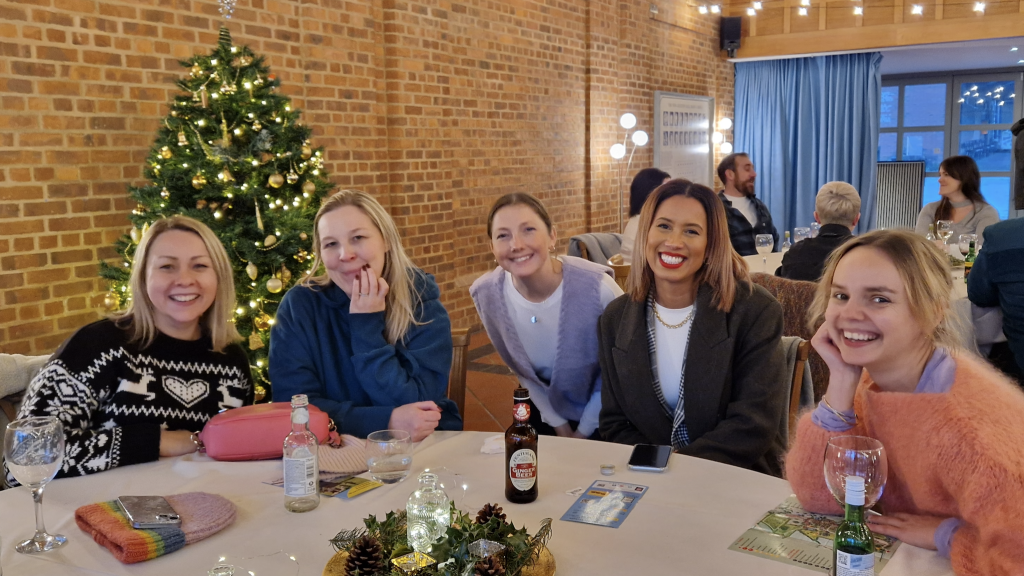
{"x":839,"y":414}
{"x":194,"y":437}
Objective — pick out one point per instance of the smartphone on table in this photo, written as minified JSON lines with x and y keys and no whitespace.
{"x":650,"y":458}
{"x":147,"y":512}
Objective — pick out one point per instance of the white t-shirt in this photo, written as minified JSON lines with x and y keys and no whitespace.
{"x":536,"y":324}
{"x":746,"y":207}
{"x":670,"y":349}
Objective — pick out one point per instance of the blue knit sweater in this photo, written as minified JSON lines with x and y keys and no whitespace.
{"x":345,"y":365}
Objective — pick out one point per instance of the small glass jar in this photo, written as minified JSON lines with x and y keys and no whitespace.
{"x":428,"y":514}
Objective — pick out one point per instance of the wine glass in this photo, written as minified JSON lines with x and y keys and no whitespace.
{"x":856,"y":456}
{"x":801,"y":234}
{"x":765,"y":244}
{"x":34,"y":449}
{"x":815,"y":228}
{"x":944,"y":229}
{"x":965,"y":243}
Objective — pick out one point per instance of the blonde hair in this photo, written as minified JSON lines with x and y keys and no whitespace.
{"x":139,"y":317}
{"x":837,"y":203}
{"x":399,"y":272}
{"x":925,"y":273}
{"x":722,"y":269}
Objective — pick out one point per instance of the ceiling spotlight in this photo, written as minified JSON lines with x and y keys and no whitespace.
{"x":858,"y":10}
{"x":1014,"y":49}
{"x":1001,"y":102}
{"x":1020,"y":61}
{"x":805,"y":2}
{"x":751,"y":12}
{"x":961,"y":100}
{"x":627,"y":121}
{"x":917,"y":9}
{"x":802,"y":11}
{"x":979,"y":6}
{"x":703,"y":9}
{"x":715,"y":8}
{"x":980,"y":101}
{"x":757,"y":5}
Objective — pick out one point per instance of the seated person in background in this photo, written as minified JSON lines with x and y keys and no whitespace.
{"x":950,"y":423}
{"x":837,"y":209}
{"x":541,"y":312}
{"x":134,"y":387}
{"x":962,"y":202}
{"x":747,"y":216}
{"x":640,"y":188}
{"x":691,"y":356}
{"x":997,"y":279}
{"x":368,"y":342}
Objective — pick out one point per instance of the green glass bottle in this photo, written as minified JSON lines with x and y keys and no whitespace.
{"x":853,"y":553}
{"x":969,"y":261}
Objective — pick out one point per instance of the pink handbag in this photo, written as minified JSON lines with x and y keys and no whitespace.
{"x":257,"y":432}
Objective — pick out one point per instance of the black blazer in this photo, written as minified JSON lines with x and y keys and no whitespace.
{"x":735,"y":389}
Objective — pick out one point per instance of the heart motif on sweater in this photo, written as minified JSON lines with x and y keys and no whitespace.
{"x":188,"y":393}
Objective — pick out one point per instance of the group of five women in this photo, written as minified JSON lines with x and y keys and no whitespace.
{"x":689,"y":356}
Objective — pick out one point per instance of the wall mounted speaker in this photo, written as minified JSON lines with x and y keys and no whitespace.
{"x":730,"y":34}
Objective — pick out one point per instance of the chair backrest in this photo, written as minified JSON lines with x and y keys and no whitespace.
{"x":460,"y":362}
{"x":595,"y":246}
{"x":621,"y":273}
{"x":803,"y":351}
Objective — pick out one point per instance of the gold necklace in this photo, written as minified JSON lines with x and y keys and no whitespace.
{"x":672,"y":326}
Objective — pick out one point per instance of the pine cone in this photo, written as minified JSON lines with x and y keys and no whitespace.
{"x":366,"y":557}
{"x":487,"y":512}
{"x":489,"y":566}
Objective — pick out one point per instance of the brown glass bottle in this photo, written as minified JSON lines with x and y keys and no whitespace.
{"x":521,"y":452}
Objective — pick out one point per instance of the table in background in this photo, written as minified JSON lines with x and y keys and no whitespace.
{"x":683,"y":525}
{"x":757,"y":264}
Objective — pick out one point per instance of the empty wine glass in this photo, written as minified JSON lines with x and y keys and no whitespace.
{"x":453,"y":483}
{"x":765,"y":244}
{"x":815,"y":228}
{"x":965,"y":243}
{"x":801,"y":234}
{"x":856,"y":456}
{"x":944,"y":229}
{"x":34,"y":449}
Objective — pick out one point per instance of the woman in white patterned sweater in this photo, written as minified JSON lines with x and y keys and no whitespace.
{"x":134,"y":387}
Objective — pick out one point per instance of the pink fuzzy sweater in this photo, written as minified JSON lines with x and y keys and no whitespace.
{"x":957,"y":454}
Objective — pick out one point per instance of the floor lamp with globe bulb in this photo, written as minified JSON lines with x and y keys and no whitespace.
{"x":618,"y":151}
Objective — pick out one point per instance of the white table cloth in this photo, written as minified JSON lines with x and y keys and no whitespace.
{"x":684,"y":525}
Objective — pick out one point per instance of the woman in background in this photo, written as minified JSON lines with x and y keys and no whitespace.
{"x":640,"y":188}
{"x":949,"y":422}
{"x":135,"y":387}
{"x":541,"y":312}
{"x":962,"y":202}
{"x":368,"y":342}
{"x":691,"y":356}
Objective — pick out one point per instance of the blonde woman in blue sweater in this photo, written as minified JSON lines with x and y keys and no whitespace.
{"x":541,"y":312}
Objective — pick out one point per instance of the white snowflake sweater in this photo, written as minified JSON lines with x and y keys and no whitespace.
{"x":114,"y":399}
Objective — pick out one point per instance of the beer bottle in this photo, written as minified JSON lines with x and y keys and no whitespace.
{"x":521,"y":452}
{"x":853,"y":552}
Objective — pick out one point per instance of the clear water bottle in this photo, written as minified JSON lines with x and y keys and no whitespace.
{"x":786,"y":244}
{"x":428,"y":514}
{"x":301,"y":467}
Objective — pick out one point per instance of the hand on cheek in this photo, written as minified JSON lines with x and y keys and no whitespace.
{"x":368,"y":293}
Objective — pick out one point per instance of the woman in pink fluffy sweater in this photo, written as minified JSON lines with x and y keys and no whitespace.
{"x":949,"y":422}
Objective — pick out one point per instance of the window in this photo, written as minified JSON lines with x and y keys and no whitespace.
{"x":931,"y":118}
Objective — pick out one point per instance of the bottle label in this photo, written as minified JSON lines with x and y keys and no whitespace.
{"x":854,"y":564}
{"x":521,"y":412}
{"x":522,"y":469}
{"x":299,"y":476}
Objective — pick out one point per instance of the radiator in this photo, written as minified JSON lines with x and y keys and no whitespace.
{"x":898,"y":197}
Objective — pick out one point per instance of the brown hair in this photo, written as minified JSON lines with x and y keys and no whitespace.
{"x":722,"y":269}
{"x":729,"y":163}
{"x":922,"y":267}
{"x":519,"y":198}
{"x":964,"y":169}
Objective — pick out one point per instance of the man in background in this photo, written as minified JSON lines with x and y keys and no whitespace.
{"x":837,"y":209}
{"x":747,"y":215}
{"x":997,"y":279}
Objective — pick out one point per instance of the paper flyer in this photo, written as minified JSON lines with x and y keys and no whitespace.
{"x":343,"y":486}
{"x":605,"y":503}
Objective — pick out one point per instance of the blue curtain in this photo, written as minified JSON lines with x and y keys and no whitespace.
{"x":808,"y":121}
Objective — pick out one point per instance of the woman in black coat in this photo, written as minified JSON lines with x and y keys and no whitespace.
{"x":690,"y":355}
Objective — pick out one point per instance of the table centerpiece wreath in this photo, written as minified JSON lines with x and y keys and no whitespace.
{"x":368,"y":551}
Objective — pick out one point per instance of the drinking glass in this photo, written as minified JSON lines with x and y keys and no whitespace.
{"x":856,"y":456}
{"x":801,"y":234}
{"x":34,"y":449}
{"x":965,"y":243}
{"x":765,"y":244}
{"x":944,"y":229}
{"x":389,"y":455}
{"x":815,"y":228}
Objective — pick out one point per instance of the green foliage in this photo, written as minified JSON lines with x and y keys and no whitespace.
{"x":229,"y":139}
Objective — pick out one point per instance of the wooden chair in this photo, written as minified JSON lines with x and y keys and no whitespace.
{"x":460,"y":363}
{"x":803,"y":351}
{"x":621,"y":273}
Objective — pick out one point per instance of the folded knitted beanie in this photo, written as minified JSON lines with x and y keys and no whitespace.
{"x":202,"y":515}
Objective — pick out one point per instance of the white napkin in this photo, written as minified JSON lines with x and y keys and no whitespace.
{"x":494,"y":444}
{"x":349,"y":459}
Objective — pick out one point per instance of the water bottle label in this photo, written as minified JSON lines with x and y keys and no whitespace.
{"x":522,"y":469}
{"x":854,"y":564}
{"x":299,"y":476}
{"x":521,"y":412}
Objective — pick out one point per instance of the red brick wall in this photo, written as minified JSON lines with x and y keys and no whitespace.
{"x":436,"y":107}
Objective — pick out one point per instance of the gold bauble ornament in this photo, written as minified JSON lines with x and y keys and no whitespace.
{"x":251,"y":270}
{"x":292,"y":177}
{"x":228,"y":88}
{"x":227,"y":176}
{"x":182,"y":141}
{"x":266,"y":157}
{"x":257,"y":126}
{"x":196,"y":70}
{"x":286,"y":274}
{"x":276,"y":180}
{"x":308,"y":187}
{"x":306,"y":152}
{"x":270,"y":240}
{"x":164,"y":193}
{"x":255,"y":342}
{"x":200,"y":204}
{"x":274,"y":285}
{"x":135,"y":235}
{"x":262,"y":321}
{"x":198,"y":181}
{"x":165,"y":152}
{"x":303,"y":235}
{"x":301,"y":256}
{"x":111,"y":301}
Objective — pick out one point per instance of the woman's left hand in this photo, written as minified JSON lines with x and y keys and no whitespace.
{"x":578,"y":434}
{"x":368,"y":292}
{"x":914,"y":529}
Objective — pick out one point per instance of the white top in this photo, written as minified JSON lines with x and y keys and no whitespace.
{"x":628,"y":236}
{"x":670,"y":347}
{"x":745,"y":206}
{"x":537,"y":326}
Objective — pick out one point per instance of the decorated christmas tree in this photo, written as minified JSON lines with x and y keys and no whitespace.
{"x":232,"y":154}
